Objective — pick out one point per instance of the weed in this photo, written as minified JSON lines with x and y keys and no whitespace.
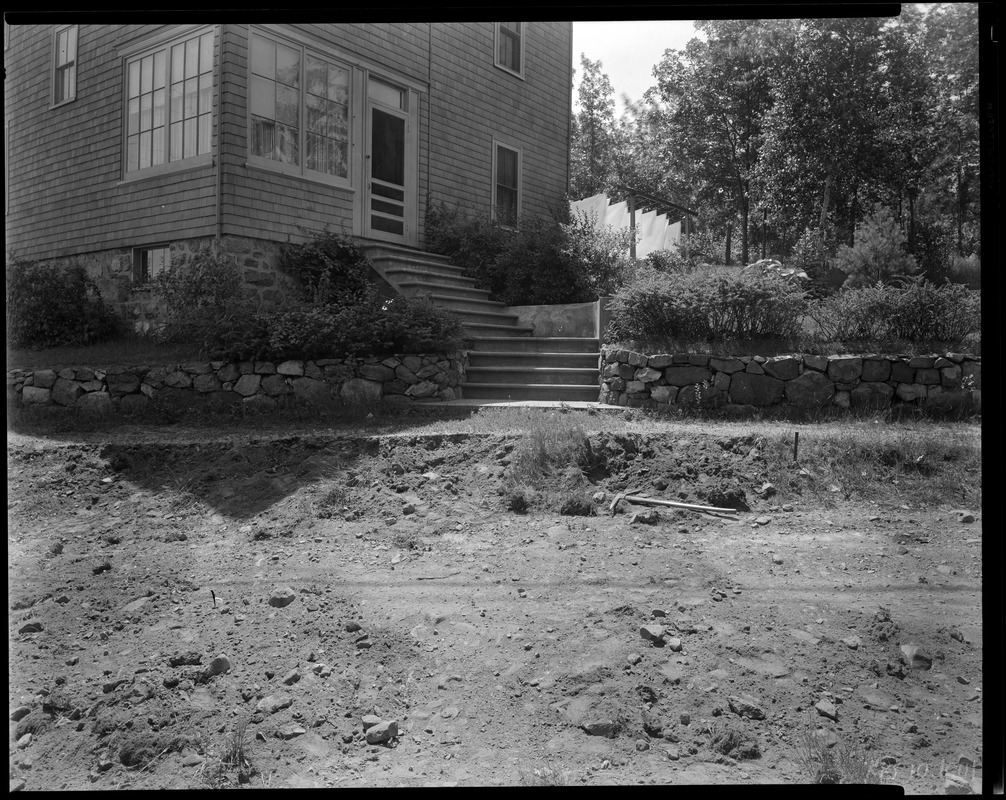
{"x":233,"y":757}
{"x":545,"y":775}
{"x":835,"y":762}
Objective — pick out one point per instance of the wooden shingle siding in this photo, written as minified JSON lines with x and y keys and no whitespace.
{"x":66,"y":165}
{"x":67,"y":194}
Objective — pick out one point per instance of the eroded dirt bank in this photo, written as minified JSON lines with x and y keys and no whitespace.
{"x":342,"y":577}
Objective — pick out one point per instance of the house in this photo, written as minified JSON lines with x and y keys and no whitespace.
{"x":129,"y":145}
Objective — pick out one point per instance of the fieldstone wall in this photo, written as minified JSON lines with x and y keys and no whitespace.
{"x":253,"y":384}
{"x":952,"y":380}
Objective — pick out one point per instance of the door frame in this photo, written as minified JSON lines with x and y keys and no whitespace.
{"x":410,"y":114}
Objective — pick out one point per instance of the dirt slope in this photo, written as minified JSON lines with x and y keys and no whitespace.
{"x":341,"y":577}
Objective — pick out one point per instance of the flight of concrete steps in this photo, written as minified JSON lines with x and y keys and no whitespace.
{"x":506,"y":362}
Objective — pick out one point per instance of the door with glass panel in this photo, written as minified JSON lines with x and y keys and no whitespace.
{"x":390,"y":170}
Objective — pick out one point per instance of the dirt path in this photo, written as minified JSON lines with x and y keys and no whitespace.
{"x":499,"y":643}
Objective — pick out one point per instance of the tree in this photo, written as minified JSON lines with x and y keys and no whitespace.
{"x":713,"y":97}
{"x":592,"y":141}
{"x":879,"y":254}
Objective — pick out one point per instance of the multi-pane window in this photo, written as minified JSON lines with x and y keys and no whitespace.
{"x":64,"y":76}
{"x":148,"y":263}
{"x":509,"y":46}
{"x":169,"y":98}
{"x":507,"y":184}
{"x":299,"y":108}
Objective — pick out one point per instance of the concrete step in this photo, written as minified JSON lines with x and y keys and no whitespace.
{"x":402,"y":273}
{"x":386,"y":253}
{"x":482,"y":318}
{"x":416,"y":288}
{"x":535,"y":344}
{"x":568,"y":376}
{"x":518,"y":391}
{"x":478,"y":332}
{"x":474,"y":305}
{"x":502,"y":358}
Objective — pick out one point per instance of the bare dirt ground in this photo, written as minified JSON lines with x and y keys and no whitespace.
{"x":343,"y":576}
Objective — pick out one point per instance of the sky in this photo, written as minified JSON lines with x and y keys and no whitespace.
{"x":628,"y":51}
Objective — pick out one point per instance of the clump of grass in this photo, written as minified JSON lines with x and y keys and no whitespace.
{"x":546,"y":774}
{"x":835,"y":762}
{"x":142,"y":748}
{"x":234,"y":757}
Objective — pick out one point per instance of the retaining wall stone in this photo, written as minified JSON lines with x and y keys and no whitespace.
{"x":869,"y":381}
{"x":259,"y":385}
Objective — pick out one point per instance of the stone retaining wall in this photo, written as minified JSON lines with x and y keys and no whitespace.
{"x":952,"y":380}
{"x":260,"y":384}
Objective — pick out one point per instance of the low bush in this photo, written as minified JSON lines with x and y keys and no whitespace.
{"x":541,"y":261}
{"x":49,"y":306}
{"x":917,"y":311}
{"x":705,"y":307}
{"x":331,"y":269}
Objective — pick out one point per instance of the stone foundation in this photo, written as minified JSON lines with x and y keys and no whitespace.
{"x":112,"y":271}
{"x":952,"y":380}
{"x":260,"y":385}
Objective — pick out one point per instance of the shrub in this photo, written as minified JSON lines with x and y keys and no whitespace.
{"x":879,"y":252}
{"x":705,"y":307}
{"x":919,"y":311}
{"x":198,"y":295}
{"x":541,"y":261}
{"x":670,"y":260}
{"x":49,"y":306}
{"x":331,"y":269}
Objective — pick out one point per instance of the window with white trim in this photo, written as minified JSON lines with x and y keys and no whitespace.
{"x":149,"y":262}
{"x":169,"y":103}
{"x":506,"y":183}
{"x":299,"y":103}
{"x":64,"y":67}
{"x":510,"y":47}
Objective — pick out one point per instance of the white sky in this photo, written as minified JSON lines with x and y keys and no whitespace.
{"x":628,"y":52}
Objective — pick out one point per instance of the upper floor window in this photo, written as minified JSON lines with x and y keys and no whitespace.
{"x":64,"y":68}
{"x":506,"y":184}
{"x":169,"y":96}
{"x":510,"y":47}
{"x":299,"y":109}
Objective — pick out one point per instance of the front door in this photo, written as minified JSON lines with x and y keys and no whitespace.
{"x":390,"y":196}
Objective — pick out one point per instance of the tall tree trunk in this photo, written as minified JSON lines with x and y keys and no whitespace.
{"x":726,"y":255}
{"x":825,"y":200}
{"x":744,"y":231}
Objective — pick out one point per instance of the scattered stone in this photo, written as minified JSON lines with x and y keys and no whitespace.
{"x":827,"y":709}
{"x":369,"y":721}
{"x":955,"y":784}
{"x":746,"y":705}
{"x":24,"y":741}
{"x":274,"y":703}
{"x":17,"y":784}
{"x":763,"y":520}
{"x":642,"y":745}
{"x":19,"y":713}
{"x":219,"y":665}
{"x":189,"y":659}
{"x":672,"y":752}
{"x":290,"y":731}
{"x":282,"y":597}
{"x":606,"y":728}
{"x":674,"y":644}
{"x":852,"y":642}
{"x":915,"y":657}
{"x":192,"y":759}
{"x":965,"y":517}
{"x":31,"y":626}
{"x":633,"y":659}
{"x":382,"y":732}
{"x":352,"y":627}
{"x":653,"y":633}
{"x":776,"y":559}
{"x":291,"y":677}
{"x":647,"y":517}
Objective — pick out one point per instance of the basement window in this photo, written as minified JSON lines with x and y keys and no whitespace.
{"x":148,"y":263}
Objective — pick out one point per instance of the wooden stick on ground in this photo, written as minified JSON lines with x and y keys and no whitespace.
{"x":653,"y":501}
